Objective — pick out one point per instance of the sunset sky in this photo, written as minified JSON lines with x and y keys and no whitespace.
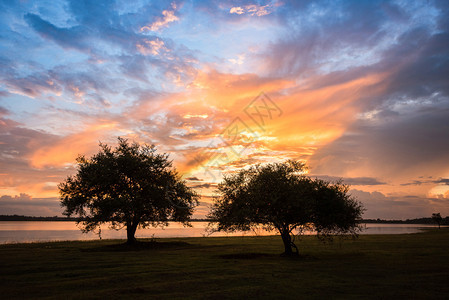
{"x":357,"y":89}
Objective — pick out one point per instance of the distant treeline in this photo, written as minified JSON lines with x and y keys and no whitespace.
{"x":55,"y":218}
{"x":29,"y":218}
{"x":444,"y":221}
{"x":429,"y":220}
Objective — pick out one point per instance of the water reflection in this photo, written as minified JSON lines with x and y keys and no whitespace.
{"x":35,"y":231}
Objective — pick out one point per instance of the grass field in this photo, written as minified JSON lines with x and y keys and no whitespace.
{"x":414,"y":266}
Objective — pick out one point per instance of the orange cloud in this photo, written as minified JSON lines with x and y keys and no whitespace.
{"x":309,"y":117}
{"x":66,"y":150}
{"x":185,"y":123}
{"x":316,"y":117}
{"x":233,"y":92}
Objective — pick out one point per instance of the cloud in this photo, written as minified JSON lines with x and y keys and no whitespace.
{"x":402,"y":116}
{"x":252,"y":10}
{"x":3,"y":94}
{"x":351,"y":181}
{"x":65,"y":150}
{"x":17,"y":144}
{"x":237,"y":10}
{"x":378,"y":205}
{"x":223,"y":97}
{"x":319,"y":38}
{"x":415,"y":182}
{"x":202,"y":210}
{"x":443,"y":181}
{"x":74,"y":37}
{"x":3,"y":112}
{"x":152,"y":47}
{"x":204,"y":185}
{"x":168,"y":17}
{"x":239,"y":60}
{"x":409,"y":145}
{"x":193,"y":178}
{"x":24,"y":204}
{"x":32,"y":86}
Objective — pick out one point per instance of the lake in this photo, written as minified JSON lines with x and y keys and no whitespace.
{"x":40,"y":231}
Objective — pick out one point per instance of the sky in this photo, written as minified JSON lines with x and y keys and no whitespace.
{"x":359,"y":90}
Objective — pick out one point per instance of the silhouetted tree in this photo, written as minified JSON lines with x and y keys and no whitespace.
{"x":436,"y":217}
{"x":279,"y":196}
{"x":130,"y":186}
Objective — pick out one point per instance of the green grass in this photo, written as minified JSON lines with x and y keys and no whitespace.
{"x":414,"y":266}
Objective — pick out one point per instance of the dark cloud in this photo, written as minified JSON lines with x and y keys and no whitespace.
{"x":391,"y":147}
{"x":415,"y":182}
{"x":24,"y":204}
{"x":415,"y":56}
{"x":3,"y":112}
{"x":193,"y":178}
{"x":33,"y":85}
{"x":421,"y":60}
{"x":17,"y":141}
{"x":444,"y":181}
{"x":204,"y":185}
{"x":74,"y":37}
{"x":351,"y":180}
{"x":378,"y":205}
{"x":309,"y":44}
{"x":97,"y":24}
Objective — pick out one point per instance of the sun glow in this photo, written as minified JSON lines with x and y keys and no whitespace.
{"x":439,"y":191}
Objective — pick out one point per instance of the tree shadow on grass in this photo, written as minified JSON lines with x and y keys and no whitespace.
{"x":246,"y":255}
{"x":255,"y":255}
{"x":140,"y":246}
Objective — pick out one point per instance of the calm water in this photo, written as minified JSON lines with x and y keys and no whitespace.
{"x":30,"y":231}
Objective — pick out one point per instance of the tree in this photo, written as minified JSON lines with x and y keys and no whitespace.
{"x":130,"y":186}
{"x":436,"y":217}
{"x":279,"y":196}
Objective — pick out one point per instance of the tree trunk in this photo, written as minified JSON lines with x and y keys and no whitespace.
{"x":130,"y":232}
{"x":288,"y":244}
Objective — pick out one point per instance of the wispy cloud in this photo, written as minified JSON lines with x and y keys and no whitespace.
{"x":161,"y":22}
{"x":252,"y":10}
{"x":151,"y":47}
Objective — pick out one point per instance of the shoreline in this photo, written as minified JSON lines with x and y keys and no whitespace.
{"x":71,"y":233}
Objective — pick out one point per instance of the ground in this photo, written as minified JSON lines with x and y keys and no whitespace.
{"x":371,"y":267}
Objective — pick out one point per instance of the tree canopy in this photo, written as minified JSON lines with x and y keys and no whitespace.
{"x":280,"y":196}
{"x":131,"y":185}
